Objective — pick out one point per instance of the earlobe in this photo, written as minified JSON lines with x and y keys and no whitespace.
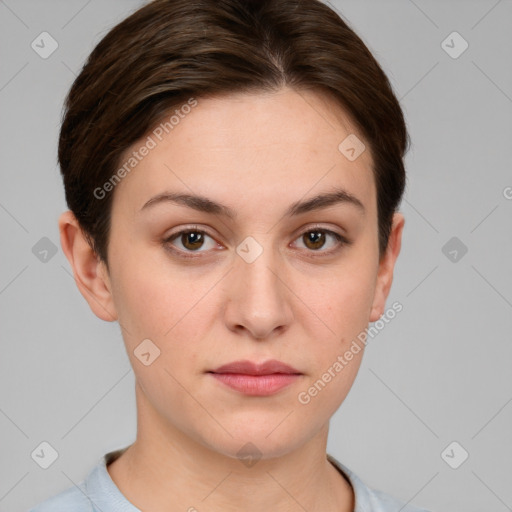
{"x":386,"y":267}
{"x":89,"y":271}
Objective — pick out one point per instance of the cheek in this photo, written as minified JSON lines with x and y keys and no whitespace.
{"x":145,"y":304}
{"x":158,"y":302}
{"x":341,"y":300}
{"x":343,"y":306}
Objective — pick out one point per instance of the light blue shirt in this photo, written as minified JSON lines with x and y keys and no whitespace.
{"x":98,"y":493}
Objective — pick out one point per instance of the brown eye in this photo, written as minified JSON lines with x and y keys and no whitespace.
{"x":317,"y":239}
{"x":189,"y":241}
{"x":314,"y":239}
{"x":192,"y":240}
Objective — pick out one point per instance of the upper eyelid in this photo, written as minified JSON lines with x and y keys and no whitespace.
{"x":195,"y":228}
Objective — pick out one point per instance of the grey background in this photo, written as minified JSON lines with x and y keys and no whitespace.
{"x":439,"y":372}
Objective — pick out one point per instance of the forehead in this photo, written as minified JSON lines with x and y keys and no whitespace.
{"x":250,"y":150}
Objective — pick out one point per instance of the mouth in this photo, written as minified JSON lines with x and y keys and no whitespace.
{"x":256,"y":379}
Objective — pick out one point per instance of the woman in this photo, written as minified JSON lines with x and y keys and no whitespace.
{"x":233,"y":171}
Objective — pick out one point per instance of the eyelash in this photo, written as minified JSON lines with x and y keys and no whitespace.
{"x":341,"y":242}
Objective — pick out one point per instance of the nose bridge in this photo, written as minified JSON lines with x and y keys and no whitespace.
{"x":259,"y":300}
{"x":258,"y":266}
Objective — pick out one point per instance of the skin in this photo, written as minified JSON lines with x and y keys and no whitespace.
{"x":257,"y":154}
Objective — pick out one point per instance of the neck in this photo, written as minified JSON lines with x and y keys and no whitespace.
{"x":165,"y":470}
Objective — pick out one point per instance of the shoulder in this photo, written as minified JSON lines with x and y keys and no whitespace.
{"x":72,"y":499}
{"x":382,"y":502}
{"x":95,"y":493}
{"x":81,"y":497}
{"x":370,"y":500}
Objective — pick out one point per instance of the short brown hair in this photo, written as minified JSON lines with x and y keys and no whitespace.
{"x":171,"y":50}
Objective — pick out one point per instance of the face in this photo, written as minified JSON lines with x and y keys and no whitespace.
{"x":249,"y":274}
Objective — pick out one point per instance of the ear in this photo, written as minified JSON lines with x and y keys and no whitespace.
{"x":91,"y":275}
{"x":386,"y":266}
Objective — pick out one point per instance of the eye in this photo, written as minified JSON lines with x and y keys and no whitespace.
{"x":317,"y":238}
{"x":189,"y":241}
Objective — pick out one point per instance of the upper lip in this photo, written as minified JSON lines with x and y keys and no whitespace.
{"x":250,"y":368}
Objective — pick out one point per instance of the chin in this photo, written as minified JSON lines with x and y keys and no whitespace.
{"x":258,"y":441}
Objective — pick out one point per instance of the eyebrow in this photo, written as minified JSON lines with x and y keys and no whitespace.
{"x":204,"y":204}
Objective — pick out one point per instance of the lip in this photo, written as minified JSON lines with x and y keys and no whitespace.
{"x":246,"y":367}
{"x":255,"y":379}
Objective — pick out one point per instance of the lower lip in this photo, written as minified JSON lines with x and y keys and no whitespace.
{"x":257,"y":385}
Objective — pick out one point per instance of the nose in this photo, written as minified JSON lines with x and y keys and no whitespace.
{"x":258,"y":297}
